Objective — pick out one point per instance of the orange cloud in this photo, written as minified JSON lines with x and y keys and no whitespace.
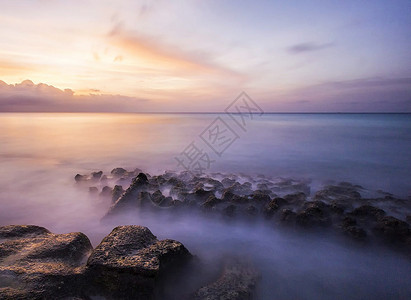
{"x":151,"y":51}
{"x":29,"y":97}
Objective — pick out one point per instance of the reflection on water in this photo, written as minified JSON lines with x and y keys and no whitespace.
{"x":41,"y":153}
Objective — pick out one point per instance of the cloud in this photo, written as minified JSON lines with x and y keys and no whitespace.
{"x":29,"y":97}
{"x":161,"y":55}
{"x":308,"y":47}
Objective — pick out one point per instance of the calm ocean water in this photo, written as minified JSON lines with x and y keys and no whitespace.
{"x":41,"y":152}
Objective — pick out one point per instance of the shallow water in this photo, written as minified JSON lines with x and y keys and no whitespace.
{"x":41,"y":153}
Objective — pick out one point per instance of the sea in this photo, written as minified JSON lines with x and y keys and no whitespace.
{"x":40,"y":153}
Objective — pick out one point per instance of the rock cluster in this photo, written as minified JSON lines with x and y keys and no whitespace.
{"x":128,"y":264}
{"x":341,"y":207}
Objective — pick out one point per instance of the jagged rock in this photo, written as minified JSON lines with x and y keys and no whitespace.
{"x":273,"y":206}
{"x":106,"y":191}
{"x":260,"y":197}
{"x":96,"y":175}
{"x":37,"y":264}
{"x":296,"y":198}
{"x":314,"y":215}
{"x":131,"y":262}
{"x":368,"y":211}
{"x":116,"y":192}
{"x":211,"y":202}
{"x":118,"y":172}
{"x":237,"y":282}
{"x":350,"y":228}
{"x":133,"y":197}
{"x":392,"y":229}
{"x":227,"y":182}
{"x":79,"y":178}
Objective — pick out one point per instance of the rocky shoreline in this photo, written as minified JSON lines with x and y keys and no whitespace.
{"x":343,"y":208}
{"x":129,"y":263}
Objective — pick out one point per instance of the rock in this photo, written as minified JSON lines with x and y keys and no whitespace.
{"x":79,"y":178}
{"x":93,"y":190}
{"x":260,"y":197}
{"x":313,"y":215}
{"x":368,"y":211}
{"x":118,"y":172}
{"x":131,"y":262}
{"x":350,"y":228}
{"x":408,"y":218}
{"x":20,"y":231}
{"x":338,"y":192}
{"x":133,"y":196}
{"x":296,"y":198}
{"x":211,"y":202}
{"x":236,"y":282}
{"x":227,"y":182}
{"x":273,"y":206}
{"x":106,"y":191}
{"x":116,"y":192}
{"x":96,"y":175}
{"x":392,"y":229}
{"x":37,"y":264}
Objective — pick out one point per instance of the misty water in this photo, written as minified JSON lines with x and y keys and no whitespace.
{"x":41,"y":153}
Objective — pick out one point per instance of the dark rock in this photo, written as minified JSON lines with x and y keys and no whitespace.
{"x":20,"y":231}
{"x":106,"y":191}
{"x":236,"y":282}
{"x":96,"y":175}
{"x":273,"y":206}
{"x":116,"y":193}
{"x":79,"y":178}
{"x":130,"y":262}
{"x":211,"y":202}
{"x":227,"y":196}
{"x":408,"y":218}
{"x":392,"y":229}
{"x":133,"y":196}
{"x":313,"y":215}
{"x":37,"y":264}
{"x":118,"y":172}
{"x":296,"y":198}
{"x":260,"y":197}
{"x":368,"y":211}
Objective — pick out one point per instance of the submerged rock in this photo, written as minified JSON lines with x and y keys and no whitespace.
{"x":236,"y":282}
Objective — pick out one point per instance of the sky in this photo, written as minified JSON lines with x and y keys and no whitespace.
{"x":181,"y":55}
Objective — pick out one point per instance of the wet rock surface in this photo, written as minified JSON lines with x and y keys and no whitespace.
{"x":280,"y":201}
{"x":129,"y":263}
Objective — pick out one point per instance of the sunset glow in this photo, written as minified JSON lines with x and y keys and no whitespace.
{"x":194,"y":55}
